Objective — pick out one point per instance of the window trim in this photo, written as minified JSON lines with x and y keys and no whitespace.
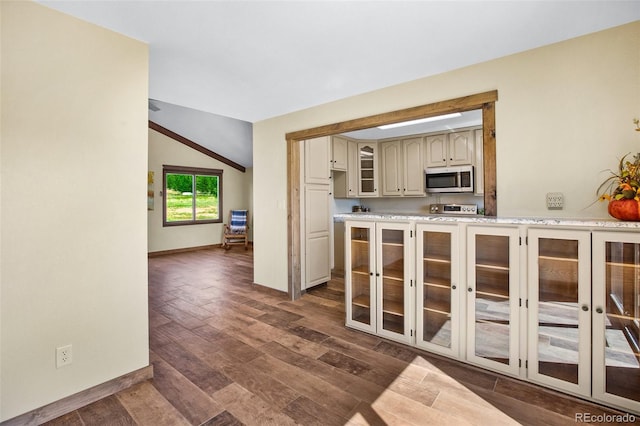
{"x":195,"y":171}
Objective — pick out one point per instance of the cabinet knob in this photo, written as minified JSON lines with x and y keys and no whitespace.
{"x":377,"y":274}
{"x":585,"y":308}
{"x":469,"y":289}
{"x":371,"y":273}
{"x":453,"y":286}
{"x":599,"y":310}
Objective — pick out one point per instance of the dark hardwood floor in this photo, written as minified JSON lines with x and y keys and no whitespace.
{"x":228,"y":352}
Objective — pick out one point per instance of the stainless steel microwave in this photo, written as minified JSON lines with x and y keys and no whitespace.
{"x":449,"y":179}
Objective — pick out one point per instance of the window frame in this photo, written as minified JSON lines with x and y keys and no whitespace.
{"x":194,"y":171}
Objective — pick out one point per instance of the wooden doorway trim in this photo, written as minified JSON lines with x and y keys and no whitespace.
{"x":485,"y":101}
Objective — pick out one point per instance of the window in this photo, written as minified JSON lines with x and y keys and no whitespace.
{"x":191,"y":195}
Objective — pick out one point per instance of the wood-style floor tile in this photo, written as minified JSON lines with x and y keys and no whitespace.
{"x":228,"y":352}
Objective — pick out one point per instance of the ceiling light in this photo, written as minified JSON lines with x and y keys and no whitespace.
{"x":420,"y":120}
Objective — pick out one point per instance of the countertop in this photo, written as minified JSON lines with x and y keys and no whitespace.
{"x":541,"y":221}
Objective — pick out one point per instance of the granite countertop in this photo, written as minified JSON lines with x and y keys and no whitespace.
{"x":543,"y":221}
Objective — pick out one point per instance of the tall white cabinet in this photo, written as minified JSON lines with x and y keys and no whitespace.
{"x":317,"y":211}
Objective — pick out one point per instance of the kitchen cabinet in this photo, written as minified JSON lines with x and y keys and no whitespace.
{"x":559,"y":309}
{"x":450,"y":149}
{"x":316,"y":161}
{"x":616,"y":319}
{"x":338,"y":153}
{"x":345,"y":183}
{"x":493,"y":297}
{"x":315,"y":206}
{"x":402,"y":167}
{"x":367,"y":169}
{"x":438,"y":288}
{"x":379,"y":279}
{"x":391,"y":154}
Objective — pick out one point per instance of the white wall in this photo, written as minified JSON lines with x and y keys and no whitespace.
{"x":564,"y":114}
{"x":73,"y":212}
{"x":236,"y":193}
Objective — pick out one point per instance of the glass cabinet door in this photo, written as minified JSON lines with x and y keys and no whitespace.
{"x":367,"y":169}
{"x":560,"y":309}
{"x":393,"y":281}
{"x":493,"y":297}
{"x":437,"y":327}
{"x":359,"y":276}
{"x":616,"y":318}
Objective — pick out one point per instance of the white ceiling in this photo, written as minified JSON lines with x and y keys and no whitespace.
{"x":253,"y":60}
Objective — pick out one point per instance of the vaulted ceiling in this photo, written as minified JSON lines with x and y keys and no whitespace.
{"x":252,"y":60}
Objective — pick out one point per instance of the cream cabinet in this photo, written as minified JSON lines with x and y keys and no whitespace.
{"x":367,"y":169}
{"x":493,"y":297}
{"x":559,"y":309}
{"x":378,"y":278}
{"x":450,"y":149}
{"x":402,"y":167}
{"x":438,"y":288}
{"x":391,"y":154}
{"x":616,"y":319}
{"x":315,"y":205}
{"x":317,"y":162}
{"x":338,"y":153}
{"x":345,"y":183}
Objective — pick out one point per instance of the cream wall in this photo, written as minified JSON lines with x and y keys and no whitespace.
{"x":564,"y":114}
{"x":236,"y":193}
{"x":73,"y":234}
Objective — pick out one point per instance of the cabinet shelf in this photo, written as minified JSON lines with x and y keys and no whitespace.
{"x":440,"y":308}
{"x":494,"y":295}
{"x":393,"y":244}
{"x":623,"y":265}
{"x":393,"y":307}
{"x":492,"y":266}
{"x":360,"y":241}
{"x":437,"y":282}
{"x":362,"y":270}
{"x":558,"y":258}
{"x":362,"y":301}
{"x":437,"y":259}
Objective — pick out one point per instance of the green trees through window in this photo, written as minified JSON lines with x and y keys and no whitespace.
{"x":192,"y":195}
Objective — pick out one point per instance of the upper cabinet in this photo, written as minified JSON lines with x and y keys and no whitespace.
{"x":316,"y":161}
{"x":451,"y":149}
{"x":338,"y":153}
{"x":402,"y":167}
{"x":367,"y":169}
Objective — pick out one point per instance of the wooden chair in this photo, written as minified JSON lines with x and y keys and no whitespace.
{"x":235,"y":232}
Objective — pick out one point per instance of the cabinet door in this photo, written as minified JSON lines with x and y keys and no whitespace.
{"x":493,"y":297}
{"x":316,"y":161}
{"x":413,"y":167}
{"x":461,"y":146}
{"x":560,"y":309}
{"x":367,"y":170}
{"x":317,"y":234}
{"x":352,"y":169}
{"x":360,"y":280}
{"x":436,"y":151}
{"x":391,"y":153}
{"x":394,"y":281}
{"x":437,"y":292}
{"x":338,"y":153}
{"x":616,"y":318}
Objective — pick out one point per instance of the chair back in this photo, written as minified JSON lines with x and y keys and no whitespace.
{"x":238,"y":221}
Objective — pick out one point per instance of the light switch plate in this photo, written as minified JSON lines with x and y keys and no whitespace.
{"x":555,"y":200}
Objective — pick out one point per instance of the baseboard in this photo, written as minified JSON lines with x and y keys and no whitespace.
{"x":186,"y":249}
{"x":80,"y":399}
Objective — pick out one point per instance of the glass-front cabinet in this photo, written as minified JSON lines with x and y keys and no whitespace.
{"x":360,"y":280}
{"x":437,"y":294}
{"x":394,"y":281}
{"x":616,"y":318}
{"x":493,"y":297}
{"x":379,"y":279}
{"x":559,"y":302}
{"x":367,"y":169}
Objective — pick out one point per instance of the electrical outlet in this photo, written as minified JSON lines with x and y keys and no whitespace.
{"x":64,"y":356}
{"x":555,"y":200}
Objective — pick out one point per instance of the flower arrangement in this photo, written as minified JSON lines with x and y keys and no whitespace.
{"x":622,"y":188}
